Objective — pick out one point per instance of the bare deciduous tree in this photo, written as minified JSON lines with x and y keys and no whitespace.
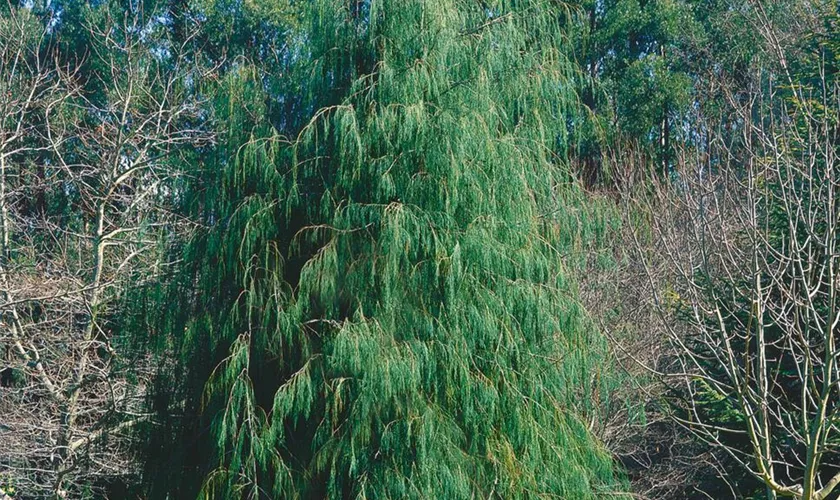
{"x":742,"y":259}
{"x":85,"y":182}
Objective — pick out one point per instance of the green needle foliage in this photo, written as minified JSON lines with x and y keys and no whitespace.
{"x":378,"y":308}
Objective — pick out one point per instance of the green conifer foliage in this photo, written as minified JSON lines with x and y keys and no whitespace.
{"x":388,"y":288}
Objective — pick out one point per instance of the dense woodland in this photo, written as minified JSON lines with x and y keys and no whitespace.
{"x":386,"y":249}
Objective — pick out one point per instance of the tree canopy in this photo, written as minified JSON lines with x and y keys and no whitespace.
{"x":379,"y":307}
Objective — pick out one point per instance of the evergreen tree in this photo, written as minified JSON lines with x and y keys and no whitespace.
{"x":380,"y":307}
{"x":640,"y":57}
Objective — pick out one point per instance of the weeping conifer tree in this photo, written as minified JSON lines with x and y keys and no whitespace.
{"x":378,"y":307}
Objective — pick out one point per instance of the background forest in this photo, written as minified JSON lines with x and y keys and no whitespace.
{"x":419,"y":249}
